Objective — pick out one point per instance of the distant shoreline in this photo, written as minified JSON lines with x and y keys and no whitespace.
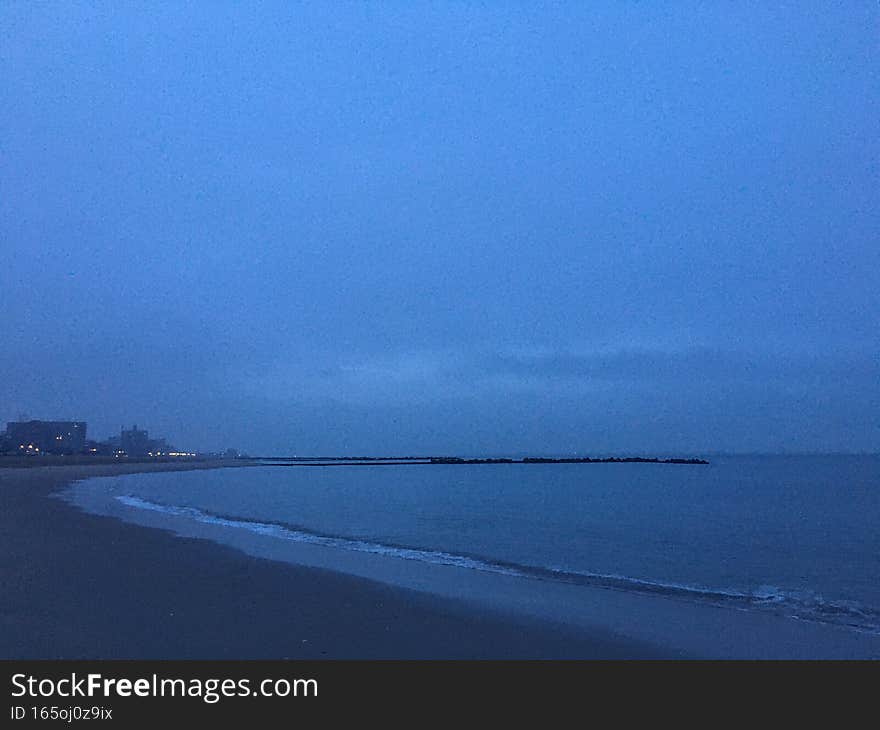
{"x":31,"y":461}
{"x":16,"y":461}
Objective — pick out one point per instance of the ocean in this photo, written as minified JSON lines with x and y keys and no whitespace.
{"x":793,"y":535}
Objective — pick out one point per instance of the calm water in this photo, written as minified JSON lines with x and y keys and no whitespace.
{"x":798,"y":534}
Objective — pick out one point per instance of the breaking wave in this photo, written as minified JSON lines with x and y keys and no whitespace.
{"x":796,"y":604}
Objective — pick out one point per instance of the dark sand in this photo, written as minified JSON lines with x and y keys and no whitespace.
{"x":80,"y":586}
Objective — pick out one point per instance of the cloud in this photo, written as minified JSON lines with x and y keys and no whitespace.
{"x":434,"y":376}
{"x":702,"y":364}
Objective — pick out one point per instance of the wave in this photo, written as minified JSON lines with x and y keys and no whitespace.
{"x":802,"y":605}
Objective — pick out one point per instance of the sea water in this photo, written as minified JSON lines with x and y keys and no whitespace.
{"x":796,"y":534}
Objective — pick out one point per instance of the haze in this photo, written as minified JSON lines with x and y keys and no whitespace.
{"x":444,"y":228}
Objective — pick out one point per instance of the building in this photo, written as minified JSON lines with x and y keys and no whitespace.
{"x":46,"y":437}
{"x":135,"y":442}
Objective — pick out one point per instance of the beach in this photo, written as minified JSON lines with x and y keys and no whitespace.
{"x":83,"y":586}
{"x":91,"y":577}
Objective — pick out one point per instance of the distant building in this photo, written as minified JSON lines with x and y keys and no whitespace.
{"x":98,"y":448}
{"x":46,"y":437}
{"x":135,"y":442}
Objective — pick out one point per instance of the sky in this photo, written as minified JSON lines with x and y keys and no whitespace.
{"x":444,"y":228}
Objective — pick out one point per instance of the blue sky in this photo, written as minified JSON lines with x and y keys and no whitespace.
{"x":445,"y":227}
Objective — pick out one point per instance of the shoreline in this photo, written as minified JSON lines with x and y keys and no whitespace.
{"x":85,"y":586}
{"x":99,"y":579}
{"x":680,"y":625}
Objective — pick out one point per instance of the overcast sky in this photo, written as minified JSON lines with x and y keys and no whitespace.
{"x":444,"y":228}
